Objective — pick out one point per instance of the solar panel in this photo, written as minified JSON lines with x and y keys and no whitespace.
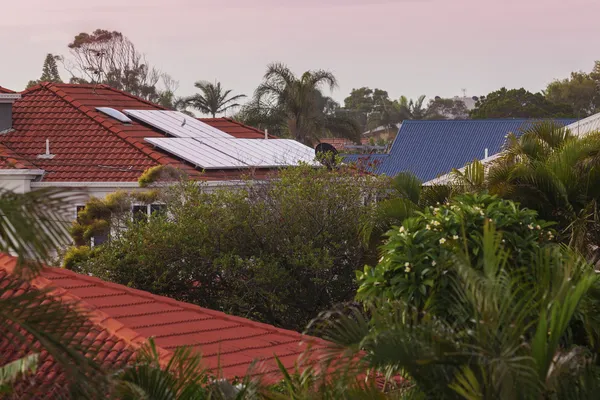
{"x":264,"y":153}
{"x":177,"y":124}
{"x":197,"y":153}
{"x":116,"y":114}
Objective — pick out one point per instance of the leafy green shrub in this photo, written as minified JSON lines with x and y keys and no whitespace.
{"x":415,"y":259}
{"x":160,"y":173}
{"x":278,"y":252}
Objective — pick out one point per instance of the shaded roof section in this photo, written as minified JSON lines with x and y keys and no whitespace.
{"x":4,"y":90}
{"x":429,"y":149}
{"x":90,"y":146}
{"x":94,"y":335}
{"x":341,"y":143}
{"x":228,"y":344}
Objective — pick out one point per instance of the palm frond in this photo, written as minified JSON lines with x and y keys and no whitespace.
{"x":10,"y":372}
{"x":34,"y":319}
{"x":35,"y":224}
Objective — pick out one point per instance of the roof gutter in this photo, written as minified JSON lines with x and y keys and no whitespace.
{"x":128,"y":185}
{"x":21,"y":171}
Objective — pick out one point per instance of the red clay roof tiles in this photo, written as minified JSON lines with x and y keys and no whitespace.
{"x":90,"y":146}
{"x":229,"y":344}
{"x":5,"y":90}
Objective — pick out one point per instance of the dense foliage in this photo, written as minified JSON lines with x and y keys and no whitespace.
{"x":513,"y":342}
{"x":552,"y":171}
{"x":295,"y":106}
{"x":278,"y":253}
{"x":581,"y":90}
{"x":416,"y":259}
{"x":519,"y":103}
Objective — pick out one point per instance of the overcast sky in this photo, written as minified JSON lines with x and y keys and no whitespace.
{"x":410,"y":47}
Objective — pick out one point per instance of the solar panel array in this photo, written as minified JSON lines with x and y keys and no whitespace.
{"x":177,"y":124}
{"x":209,"y":148}
{"x":264,"y":153}
{"x":197,"y":153}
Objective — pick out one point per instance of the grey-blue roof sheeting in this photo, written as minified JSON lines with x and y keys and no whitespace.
{"x":429,"y":149}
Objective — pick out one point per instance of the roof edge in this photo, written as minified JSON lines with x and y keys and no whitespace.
{"x":188,"y":306}
{"x":85,"y":110}
{"x":96,"y":316}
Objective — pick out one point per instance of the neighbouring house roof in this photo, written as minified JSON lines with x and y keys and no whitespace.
{"x":5,"y":90}
{"x":341,"y":143}
{"x":90,"y":146}
{"x":429,"y":149}
{"x":379,"y":129}
{"x":125,"y":318}
{"x":578,"y":128}
{"x":586,"y":125}
{"x":10,"y":160}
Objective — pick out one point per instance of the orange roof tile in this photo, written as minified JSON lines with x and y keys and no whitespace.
{"x":10,"y":160}
{"x":228,"y":344}
{"x":5,"y":90}
{"x":90,"y":146}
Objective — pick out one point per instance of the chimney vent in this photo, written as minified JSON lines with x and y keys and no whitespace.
{"x":6,"y":106}
{"x":486,"y":153}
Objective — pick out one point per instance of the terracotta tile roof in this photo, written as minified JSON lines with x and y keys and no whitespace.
{"x":341,"y":143}
{"x":229,"y":344}
{"x":5,"y":90}
{"x":90,"y":146}
{"x":10,"y":160}
{"x":111,"y":350}
{"x":235,"y":128}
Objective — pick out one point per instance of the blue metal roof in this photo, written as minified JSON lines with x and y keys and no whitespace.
{"x":429,"y":149}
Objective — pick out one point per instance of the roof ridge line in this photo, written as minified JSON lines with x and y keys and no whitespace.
{"x":108,"y":87}
{"x":96,"y":316}
{"x":85,"y":110}
{"x":192,"y":307}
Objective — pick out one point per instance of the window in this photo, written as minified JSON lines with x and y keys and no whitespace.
{"x":157,"y":209}
{"x":140,"y":213}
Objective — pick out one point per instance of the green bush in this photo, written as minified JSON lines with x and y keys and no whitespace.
{"x":414,"y":261}
{"x":278,"y":252}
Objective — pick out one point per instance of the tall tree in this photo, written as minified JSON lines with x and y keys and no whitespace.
{"x":370,"y":107}
{"x":296,"y":107}
{"x":49,"y":71}
{"x":519,"y":103}
{"x":109,"y":57}
{"x":581,"y":91}
{"x":411,"y":109}
{"x":440,"y":108}
{"x":214,"y":99}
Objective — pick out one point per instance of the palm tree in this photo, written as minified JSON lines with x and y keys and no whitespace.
{"x":550,"y":170}
{"x":168,"y":99}
{"x":411,"y":109}
{"x":32,"y":225}
{"x":214,"y":99}
{"x":295,"y":106}
{"x":511,"y":342}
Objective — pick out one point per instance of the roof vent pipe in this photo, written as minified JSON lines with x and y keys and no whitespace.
{"x":47,"y":155}
{"x":266,"y":134}
{"x":486,"y":153}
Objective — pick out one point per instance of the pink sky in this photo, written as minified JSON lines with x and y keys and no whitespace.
{"x":410,"y":47}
